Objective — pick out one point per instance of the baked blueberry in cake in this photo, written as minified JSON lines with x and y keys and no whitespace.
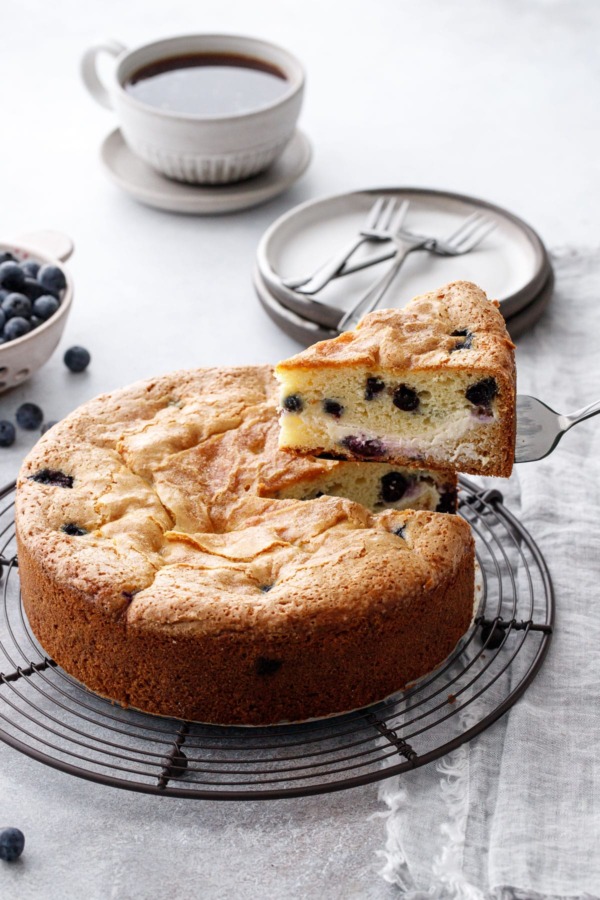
{"x":432,"y":385}
{"x":172,"y":558}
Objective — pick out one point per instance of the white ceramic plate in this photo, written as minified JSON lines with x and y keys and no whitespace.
{"x":511,"y":264}
{"x":143,"y":183}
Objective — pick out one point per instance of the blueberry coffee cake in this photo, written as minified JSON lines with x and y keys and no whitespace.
{"x":432,"y":384}
{"x":173,"y":559}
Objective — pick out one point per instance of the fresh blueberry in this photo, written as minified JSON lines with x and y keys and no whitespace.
{"x":363,"y":447}
{"x":266,"y":666}
{"x":16,"y":328}
{"x":12,"y":842}
{"x":54,"y":477}
{"x":482,"y":392}
{"x":16,"y":305}
{"x":77,"y":359}
{"x":45,"y":306}
{"x":447,"y":501}
{"x":73,"y":530}
{"x":5,"y":256}
{"x":33,"y":289}
{"x":374,"y":386}
{"x":48,"y":425}
{"x":333,"y":408}
{"x":29,"y":416}
{"x":52,"y":278}
{"x":12,"y":276}
{"x":393,"y":487}
{"x":31,"y":268}
{"x":2,"y":319}
{"x":406,"y":398}
{"x":7,"y":433}
{"x":293,"y":403}
{"x":35,"y":321}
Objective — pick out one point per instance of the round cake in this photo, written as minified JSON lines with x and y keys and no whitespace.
{"x":163,"y":565}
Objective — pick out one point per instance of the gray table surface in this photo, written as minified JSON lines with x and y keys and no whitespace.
{"x":490,"y":99}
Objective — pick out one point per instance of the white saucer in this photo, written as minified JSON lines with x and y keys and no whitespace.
{"x":139,"y":180}
{"x":511,"y":264}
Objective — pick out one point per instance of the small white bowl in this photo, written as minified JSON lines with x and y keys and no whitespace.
{"x":219,"y":149}
{"x":20,"y":358}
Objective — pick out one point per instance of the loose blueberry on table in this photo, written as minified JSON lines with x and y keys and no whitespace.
{"x":77,"y":359}
{"x":29,"y":416}
{"x":12,"y":842}
{"x":7,"y":433}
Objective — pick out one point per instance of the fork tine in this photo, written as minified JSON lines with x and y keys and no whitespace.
{"x":375,"y":212}
{"x":474,"y":239}
{"x":472,"y":228}
{"x":456,"y":235}
{"x":399,"y":217}
{"x":386,"y":215}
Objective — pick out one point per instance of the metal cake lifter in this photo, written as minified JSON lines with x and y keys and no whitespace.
{"x":539,"y":428}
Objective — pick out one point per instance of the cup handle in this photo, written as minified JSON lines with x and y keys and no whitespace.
{"x":89,"y":71}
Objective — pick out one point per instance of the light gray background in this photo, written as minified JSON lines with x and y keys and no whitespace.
{"x":497,"y":99}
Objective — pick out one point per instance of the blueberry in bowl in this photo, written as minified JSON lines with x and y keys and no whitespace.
{"x":36,"y":293}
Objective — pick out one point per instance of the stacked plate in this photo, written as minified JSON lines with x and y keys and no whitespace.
{"x":511,"y":264}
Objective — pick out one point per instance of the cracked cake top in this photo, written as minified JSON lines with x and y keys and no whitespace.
{"x":157,"y":503}
{"x":422,"y":335}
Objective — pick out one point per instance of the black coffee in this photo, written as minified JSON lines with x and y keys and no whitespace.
{"x":208,"y":84}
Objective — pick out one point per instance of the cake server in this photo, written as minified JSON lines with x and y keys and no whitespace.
{"x":539,"y":428}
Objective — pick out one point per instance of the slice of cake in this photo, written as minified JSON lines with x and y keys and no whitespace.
{"x":432,"y":384}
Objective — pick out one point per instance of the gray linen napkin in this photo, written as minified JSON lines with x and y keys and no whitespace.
{"x":516,"y":813}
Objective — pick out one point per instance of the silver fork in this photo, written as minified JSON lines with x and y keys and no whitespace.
{"x":378,"y":227}
{"x":539,"y":428}
{"x":467,"y":236}
{"x":454,"y":244}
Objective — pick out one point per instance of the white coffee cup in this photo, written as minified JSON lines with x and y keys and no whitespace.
{"x":193,"y":148}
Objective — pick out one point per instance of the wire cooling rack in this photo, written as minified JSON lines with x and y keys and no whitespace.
{"x":49,"y":716}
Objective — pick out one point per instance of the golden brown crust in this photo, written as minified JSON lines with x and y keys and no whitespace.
{"x":183,"y":599}
{"x":419,"y":336}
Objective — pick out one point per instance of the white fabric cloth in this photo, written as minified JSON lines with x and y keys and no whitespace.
{"x":516,"y":813}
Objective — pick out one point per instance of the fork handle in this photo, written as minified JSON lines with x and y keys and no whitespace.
{"x":327,"y":271}
{"x":586,"y":413}
{"x":375,"y":294}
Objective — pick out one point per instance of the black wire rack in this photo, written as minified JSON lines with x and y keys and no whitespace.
{"x":49,"y":716}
